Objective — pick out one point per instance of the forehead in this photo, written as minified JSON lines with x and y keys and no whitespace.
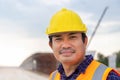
{"x":65,"y":33}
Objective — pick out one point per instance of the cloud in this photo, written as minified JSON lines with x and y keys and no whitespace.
{"x":16,"y":45}
{"x":15,"y":48}
{"x":86,"y":17}
{"x":22,"y":26}
{"x":56,"y":2}
{"x":106,"y":44}
{"x":27,"y":7}
{"x":106,"y":26}
{"x":10,"y":27}
{"x":110,"y":23}
{"x":109,"y":27}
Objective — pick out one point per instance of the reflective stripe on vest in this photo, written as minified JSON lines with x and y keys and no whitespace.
{"x":97,"y":75}
{"x":99,"y":72}
{"x":54,"y":74}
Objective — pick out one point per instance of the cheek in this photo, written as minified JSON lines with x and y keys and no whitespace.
{"x":55,"y":49}
{"x":80,"y":47}
{"x":56,"y":54}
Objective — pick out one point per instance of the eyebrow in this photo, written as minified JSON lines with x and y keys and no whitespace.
{"x":72,"y":33}
{"x":56,"y":35}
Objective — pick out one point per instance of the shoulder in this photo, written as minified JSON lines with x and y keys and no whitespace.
{"x":53,"y":75}
{"x":113,"y":75}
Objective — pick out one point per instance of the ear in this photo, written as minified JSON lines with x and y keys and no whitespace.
{"x":86,"y":41}
{"x":50,"y":44}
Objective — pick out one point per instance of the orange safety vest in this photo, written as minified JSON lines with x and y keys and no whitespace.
{"x":95,"y":71}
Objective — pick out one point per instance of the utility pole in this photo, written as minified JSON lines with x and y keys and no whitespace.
{"x":97,"y":26}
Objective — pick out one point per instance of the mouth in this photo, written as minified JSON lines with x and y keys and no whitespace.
{"x":66,"y":51}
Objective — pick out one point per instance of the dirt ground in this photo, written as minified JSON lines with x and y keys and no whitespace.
{"x":19,"y":74}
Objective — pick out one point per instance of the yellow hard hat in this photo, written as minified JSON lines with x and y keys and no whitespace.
{"x":65,"y":21}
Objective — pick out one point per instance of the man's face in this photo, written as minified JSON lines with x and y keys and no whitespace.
{"x":68,"y":47}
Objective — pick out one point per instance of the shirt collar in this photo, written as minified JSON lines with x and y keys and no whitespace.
{"x":81,"y":67}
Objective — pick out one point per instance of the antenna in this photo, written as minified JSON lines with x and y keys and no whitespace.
{"x":97,"y":25}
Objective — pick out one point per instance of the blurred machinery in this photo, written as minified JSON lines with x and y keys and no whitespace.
{"x":40,"y":63}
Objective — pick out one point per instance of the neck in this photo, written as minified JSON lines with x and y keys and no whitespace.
{"x":69,"y":69}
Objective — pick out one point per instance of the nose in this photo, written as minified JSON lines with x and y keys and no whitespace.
{"x":66,"y":44}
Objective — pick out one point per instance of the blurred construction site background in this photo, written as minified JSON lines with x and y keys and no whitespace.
{"x":24,"y":50}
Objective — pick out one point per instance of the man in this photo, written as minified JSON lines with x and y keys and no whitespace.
{"x":68,"y":40}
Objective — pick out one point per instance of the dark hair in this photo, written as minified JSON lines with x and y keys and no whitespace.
{"x":83,"y":38}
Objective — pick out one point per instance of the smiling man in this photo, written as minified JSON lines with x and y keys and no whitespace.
{"x":68,"y":40}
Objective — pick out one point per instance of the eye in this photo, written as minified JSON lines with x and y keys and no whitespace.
{"x":73,"y":37}
{"x":58,"y":39}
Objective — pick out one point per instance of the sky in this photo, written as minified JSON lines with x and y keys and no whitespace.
{"x":23,"y":24}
